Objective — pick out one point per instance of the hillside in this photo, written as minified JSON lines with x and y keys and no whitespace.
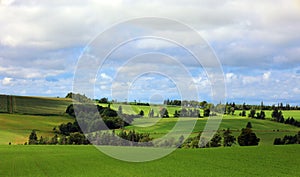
{"x":33,"y":105}
{"x":19,"y":115}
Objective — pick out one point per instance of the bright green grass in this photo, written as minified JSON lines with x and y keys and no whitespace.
{"x":266,"y":130}
{"x":88,"y":161}
{"x":286,"y":114}
{"x":35,"y":105}
{"x":16,"y":128}
{"x":135,"y":109}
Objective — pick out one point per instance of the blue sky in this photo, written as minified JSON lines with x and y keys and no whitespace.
{"x":257,"y":43}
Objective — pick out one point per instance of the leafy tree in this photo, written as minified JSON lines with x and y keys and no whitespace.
{"x":176,"y":114}
{"x":248,"y":138}
{"x":243,"y":113}
{"x":229,"y":139}
{"x":252,"y":113}
{"x":103,"y":100}
{"x":33,"y":138}
{"x":206,"y":112}
{"x":164,"y":113}
{"x":141,"y":113}
{"x":249,"y":125}
{"x":216,"y":141}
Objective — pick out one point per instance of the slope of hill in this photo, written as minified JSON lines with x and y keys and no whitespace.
{"x":33,"y":105}
{"x":16,"y":128}
{"x":19,"y":115}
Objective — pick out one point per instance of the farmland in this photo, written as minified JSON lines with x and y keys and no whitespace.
{"x":71,"y":160}
{"x":33,"y":105}
{"x":87,"y":161}
{"x":15,"y":128}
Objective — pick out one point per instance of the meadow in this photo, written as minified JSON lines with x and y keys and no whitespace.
{"x":16,"y":128}
{"x":88,"y":161}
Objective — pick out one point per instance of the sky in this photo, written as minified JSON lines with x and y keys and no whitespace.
{"x":256,"y":42}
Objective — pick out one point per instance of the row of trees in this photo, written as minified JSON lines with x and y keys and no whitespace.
{"x":94,"y":118}
{"x":278,"y":117}
{"x":79,"y":97}
{"x":245,"y":106}
{"x":123,"y":138}
{"x":246,"y":138}
{"x":73,"y":138}
{"x":288,"y":139}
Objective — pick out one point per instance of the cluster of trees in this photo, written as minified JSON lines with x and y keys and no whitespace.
{"x":123,"y":138}
{"x":94,"y":117}
{"x":278,"y":117}
{"x":257,"y":115}
{"x":216,"y":141}
{"x":246,"y":138}
{"x":78,"y":97}
{"x":186,"y":103}
{"x":73,"y":138}
{"x":279,"y":106}
{"x":288,"y":139}
{"x":163,"y":112}
{"x":187,"y":113}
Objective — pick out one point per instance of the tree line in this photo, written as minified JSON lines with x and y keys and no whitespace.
{"x":246,"y":138}
{"x":288,"y":139}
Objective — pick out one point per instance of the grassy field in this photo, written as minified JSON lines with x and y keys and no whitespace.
{"x":266,"y":130}
{"x":88,"y":161}
{"x":16,"y":128}
{"x":34,"y":105}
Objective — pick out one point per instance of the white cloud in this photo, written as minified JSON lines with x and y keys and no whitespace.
{"x":39,"y":39}
{"x":7,"y":81}
{"x":266,"y":75}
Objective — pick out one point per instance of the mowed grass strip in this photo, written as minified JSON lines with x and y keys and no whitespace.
{"x":75,"y":161}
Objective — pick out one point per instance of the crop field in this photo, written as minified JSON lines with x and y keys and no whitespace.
{"x":88,"y":161}
{"x":16,"y":128}
{"x":33,"y":105}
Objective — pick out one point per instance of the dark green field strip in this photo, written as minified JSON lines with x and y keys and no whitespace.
{"x":87,"y":161}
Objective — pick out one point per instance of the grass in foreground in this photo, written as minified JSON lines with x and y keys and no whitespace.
{"x":88,"y":161}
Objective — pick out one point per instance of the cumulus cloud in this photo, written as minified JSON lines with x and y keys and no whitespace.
{"x":256,"y":41}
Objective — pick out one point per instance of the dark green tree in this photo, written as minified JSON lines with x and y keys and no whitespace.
{"x":229,"y":139}
{"x":164,"y":113}
{"x":141,"y":113}
{"x":216,"y":141}
{"x":249,"y":125}
{"x":248,"y":138}
{"x":206,"y":112}
{"x":252,"y":113}
{"x":33,"y":138}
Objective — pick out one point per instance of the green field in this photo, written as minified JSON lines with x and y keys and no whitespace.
{"x":88,"y":161}
{"x":16,"y":128}
{"x":42,"y":114}
{"x":266,"y":130}
{"x":33,"y":105}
